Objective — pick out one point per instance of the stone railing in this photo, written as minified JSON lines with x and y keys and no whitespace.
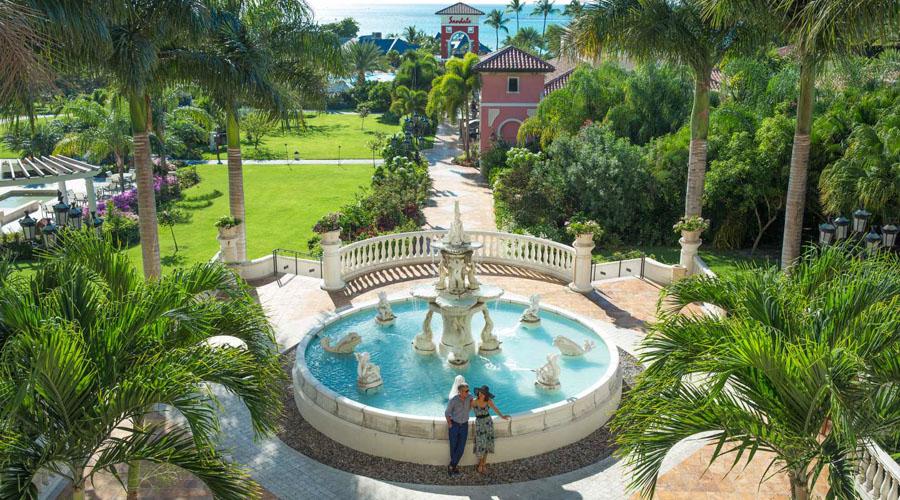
{"x":394,"y":250}
{"x":878,"y":475}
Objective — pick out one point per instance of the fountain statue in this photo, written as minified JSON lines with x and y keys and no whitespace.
{"x":385,"y":314}
{"x":457,"y":296}
{"x":569,"y":347}
{"x":548,"y":375}
{"x":531,"y":317}
{"x":344,"y":346}
{"x":368,"y":375}
{"x":423,"y":343}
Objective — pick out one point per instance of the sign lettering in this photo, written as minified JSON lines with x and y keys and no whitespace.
{"x":460,"y":20}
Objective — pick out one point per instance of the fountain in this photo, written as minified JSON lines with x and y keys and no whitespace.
{"x":368,"y":374}
{"x":385,"y":315}
{"x":345,"y":345}
{"x":457,"y":296}
{"x":568,"y":347}
{"x":531,"y":317}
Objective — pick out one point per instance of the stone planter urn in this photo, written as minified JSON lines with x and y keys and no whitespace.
{"x":331,"y":237}
{"x":585,"y":239}
{"x":228,"y":243}
{"x":226,"y":233}
{"x":691,"y":236}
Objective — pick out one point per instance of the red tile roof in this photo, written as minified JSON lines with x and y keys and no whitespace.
{"x":558,"y":82}
{"x":513,"y":60}
{"x":459,"y":9}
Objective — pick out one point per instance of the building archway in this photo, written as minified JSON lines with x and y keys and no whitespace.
{"x":508,"y":130}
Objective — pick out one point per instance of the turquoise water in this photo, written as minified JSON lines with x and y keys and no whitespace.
{"x":19,"y":200}
{"x":388,"y":18}
{"x":419,"y":385}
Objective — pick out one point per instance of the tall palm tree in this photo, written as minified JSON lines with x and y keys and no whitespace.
{"x":817,"y":30}
{"x":451,"y":94}
{"x":24,"y":71}
{"x":496,"y":20}
{"x":527,"y":39}
{"x":802,"y":365}
{"x":90,"y":349}
{"x":573,"y":9}
{"x":363,"y":58}
{"x":103,"y":130}
{"x":407,"y":102}
{"x":678,"y":32}
{"x":544,"y":8}
{"x":516,"y":7}
{"x":417,"y":70}
{"x":411,"y":34}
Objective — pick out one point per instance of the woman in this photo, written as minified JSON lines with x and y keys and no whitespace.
{"x":484,"y":425}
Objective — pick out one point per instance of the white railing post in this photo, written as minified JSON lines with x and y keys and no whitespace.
{"x":581,"y":281}
{"x":331,"y":261}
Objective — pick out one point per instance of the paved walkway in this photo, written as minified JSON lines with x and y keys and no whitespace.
{"x":456,"y":182}
{"x":244,"y":161}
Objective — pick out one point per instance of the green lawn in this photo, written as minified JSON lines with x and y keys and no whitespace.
{"x":321,"y":138}
{"x":720,"y":262}
{"x":283,"y":203}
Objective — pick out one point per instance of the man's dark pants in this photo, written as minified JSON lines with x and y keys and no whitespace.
{"x":458,"y":435}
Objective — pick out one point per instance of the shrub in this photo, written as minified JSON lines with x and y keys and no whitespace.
{"x":14,"y":247}
{"x":187,"y":177}
{"x":493,"y":160}
{"x":692,"y":223}
{"x":227,"y":222}
{"x":121,"y":227}
{"x":328,"y":222}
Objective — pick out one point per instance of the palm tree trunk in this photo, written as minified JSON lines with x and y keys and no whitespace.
{"x":693,"y":202}
{"x":138,"y":105}
{"x":77,"y":483}
{"x":466,"y":128}
{"x":236,"y":179}
{"x":796,"y":193}
{"x":799,"y":489}
{"x":120,"y":167}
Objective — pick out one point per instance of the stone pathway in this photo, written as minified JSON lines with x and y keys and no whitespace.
{"x":456,"y":182}
{"x":244,"y":161}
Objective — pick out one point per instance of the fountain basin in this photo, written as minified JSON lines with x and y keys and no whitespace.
{"x":404,"y":420}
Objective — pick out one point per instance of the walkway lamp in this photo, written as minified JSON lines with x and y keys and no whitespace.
{"x":61,"y":212}
{"x":97,"y":224}
{"x":29,"y":225}
{"x":841,"y":224}
{"x":873,"y":240}
{"x":889,"y":235}
{"x":75,"y":215}
{"x":49,"y":232}
{"x":296,"y":155}
{"x":860,"y":220}
{"x":826,"y":233}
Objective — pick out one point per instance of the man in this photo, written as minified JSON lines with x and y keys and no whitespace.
{"x":457,"y":414}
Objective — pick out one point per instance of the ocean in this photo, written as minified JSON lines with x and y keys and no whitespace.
{"x":388,"y":18}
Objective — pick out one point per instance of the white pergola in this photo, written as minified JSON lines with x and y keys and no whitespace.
{"x":49,"y":169}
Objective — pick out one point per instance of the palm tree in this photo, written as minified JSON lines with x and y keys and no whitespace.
{"x":24,"y":71}
{"x":573,"y":9}
{"x":407,"y":102}
{"x":817,"y":30}
{"x":363,"y":58}
{"x":417,"y":70}
{"x":515,"y":7}
{"x":451,"y":93}
{"x":410,"y":34}
{"x":103,"y":130}
{"x":527,"y":39}
{"x":544,"y":8}
{"x":92,"y":349}
{"x":802,"y":365}
{"x":496,"y":20}
{"x":651,"y":30}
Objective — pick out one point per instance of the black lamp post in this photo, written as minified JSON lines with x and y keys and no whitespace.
{"x":889,"y":235}
{"x":860,"y":220}
{"x":873,"y":241}
{"x":75,"y":215}
{"x":97,"y":223}
{"x":49,"y":231}
{"x":296,"y":155}
{"x":826,"y":233}
{"x":841,"y":225}
{"x":29,"y":225}
{"x":61,"y":212}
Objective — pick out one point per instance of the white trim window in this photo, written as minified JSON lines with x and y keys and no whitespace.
{"x":512,"y":85}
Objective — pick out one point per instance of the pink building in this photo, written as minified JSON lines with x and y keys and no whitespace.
{"x":512,"y":85}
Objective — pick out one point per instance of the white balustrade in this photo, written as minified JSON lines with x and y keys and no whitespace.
{"x":401,"y":249}
{"x":878,"y":475}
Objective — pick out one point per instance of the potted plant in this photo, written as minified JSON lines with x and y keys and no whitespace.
{"x":329,"y":227}
{"x":584,"y":231}
{"x":228,"y":226}
{"x":691,"y":227}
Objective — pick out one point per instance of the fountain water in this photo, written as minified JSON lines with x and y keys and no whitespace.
{"x":457,"y":296}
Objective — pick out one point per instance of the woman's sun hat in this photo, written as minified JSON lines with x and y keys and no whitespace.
{"x":484,"y":390}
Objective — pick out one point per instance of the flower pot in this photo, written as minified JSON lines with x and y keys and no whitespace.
{"x":331,"y":237}
{"x":229,"y":232}
{"x":691,"y":236}
{"x":584,"y":239}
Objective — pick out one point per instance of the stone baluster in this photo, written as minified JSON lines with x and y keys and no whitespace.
{"x":581,"y":282}
{"x":331,"y":261}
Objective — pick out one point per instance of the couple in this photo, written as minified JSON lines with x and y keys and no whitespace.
{"x":457,"y":414}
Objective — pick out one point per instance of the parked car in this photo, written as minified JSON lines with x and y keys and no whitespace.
{"x":474,"y":126}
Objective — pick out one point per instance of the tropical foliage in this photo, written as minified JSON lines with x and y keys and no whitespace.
{"x":803,"y":366}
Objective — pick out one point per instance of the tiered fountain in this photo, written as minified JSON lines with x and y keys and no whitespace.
{"x":457,"y":296}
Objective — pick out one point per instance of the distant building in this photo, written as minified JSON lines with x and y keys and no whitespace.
{"x":512,"y":84}
{"x":459,"y":30}
{"x":388,"y":44}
